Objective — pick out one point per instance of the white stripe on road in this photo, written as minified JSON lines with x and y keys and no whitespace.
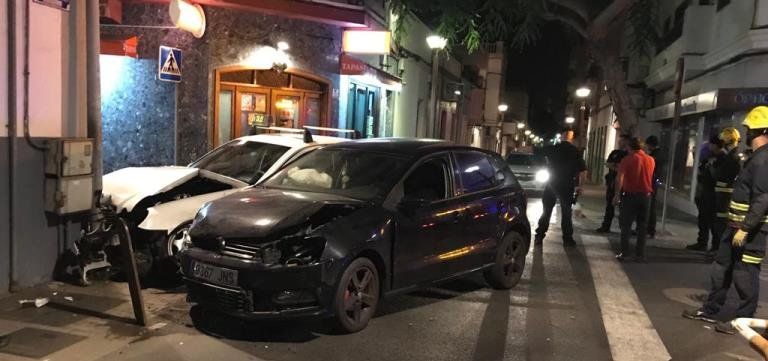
{"x":631,"y":335}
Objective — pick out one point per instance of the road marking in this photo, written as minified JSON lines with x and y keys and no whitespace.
{"x":630,"y":333}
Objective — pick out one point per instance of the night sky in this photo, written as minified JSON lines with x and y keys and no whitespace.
{"x":543,"y":70}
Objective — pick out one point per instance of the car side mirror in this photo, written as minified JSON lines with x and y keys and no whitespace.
{"x":409,"y":205}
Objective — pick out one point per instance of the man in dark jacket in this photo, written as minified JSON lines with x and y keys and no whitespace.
{"x":743,"y":244}
{"x":652,"y":148}
{"x":568,"y":172}
{"x":610,"y":182}
{"x":705,"y":195}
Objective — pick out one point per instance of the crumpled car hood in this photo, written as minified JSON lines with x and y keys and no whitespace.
{"x":265,"y":214}
{"x":128,"y":186}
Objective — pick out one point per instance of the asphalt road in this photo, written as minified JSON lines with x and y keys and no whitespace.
{"x":572,"y":304}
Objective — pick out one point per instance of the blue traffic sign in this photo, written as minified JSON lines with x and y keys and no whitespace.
{"x":169,"y":64}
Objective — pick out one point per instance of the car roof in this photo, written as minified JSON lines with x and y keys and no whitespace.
{"x":291,"y":140}
{"x":410,"y":147}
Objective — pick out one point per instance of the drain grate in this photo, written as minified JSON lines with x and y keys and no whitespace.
{"x":37,"y":343}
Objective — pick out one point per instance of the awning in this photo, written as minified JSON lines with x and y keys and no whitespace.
{"x":121,"y":47}
{"x":726,"y":99}
{"x":353,"y":66}
{"x":324,"y":11}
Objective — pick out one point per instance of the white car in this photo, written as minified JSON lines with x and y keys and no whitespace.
{"x":530,"y":170}
{"x":159,"y":203}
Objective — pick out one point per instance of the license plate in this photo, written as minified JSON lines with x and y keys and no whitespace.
{"x":217,"y":275}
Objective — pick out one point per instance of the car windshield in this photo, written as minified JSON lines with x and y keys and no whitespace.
{"x":526,"y":159}
{"x":348,"y":172}
{"x":243,"y":160}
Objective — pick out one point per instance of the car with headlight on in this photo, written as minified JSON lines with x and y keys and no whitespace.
{"x":339,"y":228}
{"x":530,"y":169}
{"x":159,"y":203}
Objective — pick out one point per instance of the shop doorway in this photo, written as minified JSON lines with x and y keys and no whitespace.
{"x":250,"y":98}
{"x":363,"y":109}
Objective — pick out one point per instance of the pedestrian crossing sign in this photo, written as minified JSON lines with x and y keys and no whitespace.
{"x":169,"y":64}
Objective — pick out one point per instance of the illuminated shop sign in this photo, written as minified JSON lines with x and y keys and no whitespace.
{"x":366,"y":42}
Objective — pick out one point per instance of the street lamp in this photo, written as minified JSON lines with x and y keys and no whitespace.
{"x":570,"y":120}
{"x":436,"y":43}
{"x":503,"y":108}
{"x":520,"y":125}
{"x":583,"y":92}
{"x":527,"y":132}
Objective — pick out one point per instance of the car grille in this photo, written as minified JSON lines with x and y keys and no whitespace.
{"x":239,"y":249}
{"x":242,"y":250}
{"x":225,"y":299}
{"x":525,"y":177}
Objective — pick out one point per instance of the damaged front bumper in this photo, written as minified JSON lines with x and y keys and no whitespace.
{"x":261,"y":291}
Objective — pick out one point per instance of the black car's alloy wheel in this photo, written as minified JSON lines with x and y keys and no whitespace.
{"x":510,"y":262}
{"x":357,"y":295}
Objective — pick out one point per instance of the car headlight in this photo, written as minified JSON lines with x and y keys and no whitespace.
{"x":542,"y":176}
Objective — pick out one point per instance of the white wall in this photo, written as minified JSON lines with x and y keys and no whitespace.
{"x":48,"y":31}
{"x":3,"y":67}
{"x":415,"y":91}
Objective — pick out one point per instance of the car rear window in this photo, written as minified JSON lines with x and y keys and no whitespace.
{"x":525,"y":159}
{"x":475,"y":171}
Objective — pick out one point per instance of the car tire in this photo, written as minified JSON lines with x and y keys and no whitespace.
{"x":509,"y":264}
{"x":357,"y":296}
{"x":168,"y":252}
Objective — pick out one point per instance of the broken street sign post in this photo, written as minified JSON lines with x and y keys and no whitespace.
{"x":169,"y":64}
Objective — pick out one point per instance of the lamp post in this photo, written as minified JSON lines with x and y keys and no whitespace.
{"x":501,"y":143}
{"x":436,"y":43}
{"x":582,"y":93}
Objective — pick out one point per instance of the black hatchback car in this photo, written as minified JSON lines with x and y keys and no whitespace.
{"x":344,"y":225}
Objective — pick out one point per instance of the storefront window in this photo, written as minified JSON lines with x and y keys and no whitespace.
{"x":287,"y":111}
{"x":685,"y":157}
{"x":225,"y":112}
{"x":267,"y":98}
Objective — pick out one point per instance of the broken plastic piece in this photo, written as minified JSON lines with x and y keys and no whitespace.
{"x":69,"y":298}
{"x":38,"y":302}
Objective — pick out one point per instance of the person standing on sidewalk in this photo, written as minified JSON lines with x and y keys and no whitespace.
{"x":652,"y":148}
{"x":610,"y":182}
{"x":725,"y":169}
{"x":634,"y":180}
{"x":743,"y":245}
{"x":568,"y":172}
{"x":705,"y":195}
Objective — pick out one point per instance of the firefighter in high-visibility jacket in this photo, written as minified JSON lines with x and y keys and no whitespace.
{"x":743,"y":243}
{"x":725,"y":169}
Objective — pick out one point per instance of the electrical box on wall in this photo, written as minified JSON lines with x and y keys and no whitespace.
{"x":69,"y":175}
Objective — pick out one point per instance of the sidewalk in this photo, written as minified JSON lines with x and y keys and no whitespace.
{"x":681,"y":228}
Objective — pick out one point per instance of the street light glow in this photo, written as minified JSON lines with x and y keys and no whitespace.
{"x":583,"y":92}
{"x":570,"y":120}
{"x":527,"y":132}
{"x":503,"y":107}
{"x":520,"y":125}
{"x":282,"y":45}
{"x":457,"y":92}
{"x":558,"y":135}
{"x":436,"y":42}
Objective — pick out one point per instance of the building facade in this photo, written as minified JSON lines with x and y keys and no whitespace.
{"x":723,"y":44}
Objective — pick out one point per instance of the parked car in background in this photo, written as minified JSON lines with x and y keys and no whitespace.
{"x":160,"y":202}
{"x":530,"y":169}
{"x":338,"y":228}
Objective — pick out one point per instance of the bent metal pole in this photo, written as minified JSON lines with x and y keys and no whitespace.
{"x":679,"y":79}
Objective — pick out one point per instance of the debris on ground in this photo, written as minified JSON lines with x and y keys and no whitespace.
{"x":157,"y":326}
{"x":38,"y":302}
{"x":69,"y":299}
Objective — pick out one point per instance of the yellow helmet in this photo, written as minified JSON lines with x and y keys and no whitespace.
{"x":730,"y":136}
{"x":757,"y":118}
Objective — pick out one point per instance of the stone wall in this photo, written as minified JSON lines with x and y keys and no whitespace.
{"x":230,"y":38}
{"x":138,"y":114}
